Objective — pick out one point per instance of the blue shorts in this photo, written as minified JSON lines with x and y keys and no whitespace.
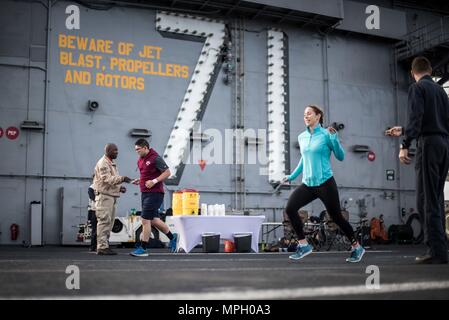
{"x":151,"y":202}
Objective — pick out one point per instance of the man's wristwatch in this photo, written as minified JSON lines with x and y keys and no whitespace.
{"x":403,"y":146}
{"x":155,"y":181}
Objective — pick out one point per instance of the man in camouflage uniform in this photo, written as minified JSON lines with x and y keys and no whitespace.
{"x":107,"y":186}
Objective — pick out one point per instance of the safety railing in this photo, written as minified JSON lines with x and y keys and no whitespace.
{"x":424,"y":38}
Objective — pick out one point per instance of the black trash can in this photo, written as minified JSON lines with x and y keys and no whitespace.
{"x":242,"y":242}
{"x":211,"y":242}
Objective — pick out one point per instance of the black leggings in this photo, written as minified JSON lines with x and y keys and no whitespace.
{"x":328,"y":194}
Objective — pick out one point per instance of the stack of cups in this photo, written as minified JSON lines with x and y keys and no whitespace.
{"x":211,"y":210}
{"x":220,"y":209}
{"x":217,"y":209}
{"x":204,"y":209}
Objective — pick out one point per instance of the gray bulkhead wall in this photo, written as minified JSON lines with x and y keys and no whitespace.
{"x":22,"y":96}
{"x":361,"y":95}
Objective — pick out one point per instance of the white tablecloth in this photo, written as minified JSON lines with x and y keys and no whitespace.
{"x":191,"y":228}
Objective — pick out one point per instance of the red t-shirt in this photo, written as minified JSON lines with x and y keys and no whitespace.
{"x":151,"y":166}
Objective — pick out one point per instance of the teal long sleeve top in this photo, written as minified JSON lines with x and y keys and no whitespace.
{"x":316,"y":149}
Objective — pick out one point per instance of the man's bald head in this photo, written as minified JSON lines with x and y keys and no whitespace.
{"x":111,"y":151}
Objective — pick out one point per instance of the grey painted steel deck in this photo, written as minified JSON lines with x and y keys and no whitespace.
{"x":40,"y":273}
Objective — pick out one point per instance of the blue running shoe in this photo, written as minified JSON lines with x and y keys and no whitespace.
{"x":139,"y":252}
{"x":173,"y":242}
{"x":356,"y":254}
{"x":301,"y":252}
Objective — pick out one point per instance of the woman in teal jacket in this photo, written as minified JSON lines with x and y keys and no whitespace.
{"x":316,"y":145}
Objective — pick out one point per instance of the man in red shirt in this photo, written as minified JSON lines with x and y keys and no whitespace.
{"x":153,"y":171}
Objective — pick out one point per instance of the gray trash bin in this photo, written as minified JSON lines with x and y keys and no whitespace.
{"x":211,"y":242}
{"x":242,"y":242}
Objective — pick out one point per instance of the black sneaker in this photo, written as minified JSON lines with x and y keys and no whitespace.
{"x":106,"y":252}
{"x":424,"y":259}
{"x":428,"y":259}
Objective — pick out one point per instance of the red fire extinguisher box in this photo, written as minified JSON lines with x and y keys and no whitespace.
{"x":14,"y":229}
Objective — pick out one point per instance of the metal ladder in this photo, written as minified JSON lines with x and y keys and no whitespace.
{"x":238,"y":31}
